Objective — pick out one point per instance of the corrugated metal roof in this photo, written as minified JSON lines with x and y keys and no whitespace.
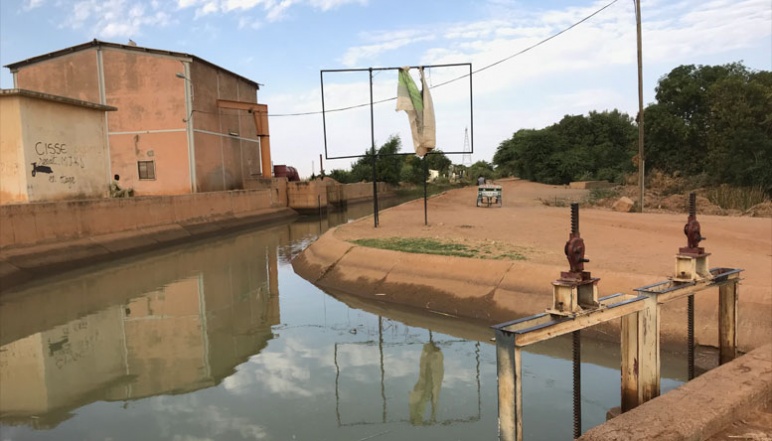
{"x":55,"y":98}
{"x":97,"y":43}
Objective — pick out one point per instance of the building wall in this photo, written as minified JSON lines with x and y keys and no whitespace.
{"x":67,"y":140}
{"x":70,"y":140}
{"x":74,"y":75}
{"x":13,"y":181}
{"x":150,"y":122}
{"x":226,"y":145}
{"x":153,"y":117}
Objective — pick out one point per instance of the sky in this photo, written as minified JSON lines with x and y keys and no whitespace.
{"x":285,"y":45}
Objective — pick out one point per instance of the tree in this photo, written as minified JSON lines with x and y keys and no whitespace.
{"x":481,"y":168}
{"x":597,"y":146}
{"x":713,"y":120}
{"x":388,"y":164}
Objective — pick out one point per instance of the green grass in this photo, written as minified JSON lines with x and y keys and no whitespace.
{"x":431,"y":246}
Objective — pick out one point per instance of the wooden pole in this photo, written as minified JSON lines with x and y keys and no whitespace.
{"x":510,"y":370}
{"x":641,"y":160}
{"x":727,"y":322}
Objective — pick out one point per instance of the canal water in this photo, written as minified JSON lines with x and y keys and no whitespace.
{"x":221,"y":340}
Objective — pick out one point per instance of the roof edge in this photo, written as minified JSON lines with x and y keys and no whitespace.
{"x":56,"y":98}
{"x":99,"y":43}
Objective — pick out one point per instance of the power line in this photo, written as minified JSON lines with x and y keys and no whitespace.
{"x":496,"y":63}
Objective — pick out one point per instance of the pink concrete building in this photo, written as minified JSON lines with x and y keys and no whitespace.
{"x":183,"y":124}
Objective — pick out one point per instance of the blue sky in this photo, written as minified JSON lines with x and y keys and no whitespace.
{"x":283,"y":44}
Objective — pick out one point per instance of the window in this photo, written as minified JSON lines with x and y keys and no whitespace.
{"x":146,"y":170}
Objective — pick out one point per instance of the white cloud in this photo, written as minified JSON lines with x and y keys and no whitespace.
{"x":326,"y":5}
{"x":32,"y":4}
{"x":274,"y":10}
{"x":384,"y":42}
{"x":114,"y":18}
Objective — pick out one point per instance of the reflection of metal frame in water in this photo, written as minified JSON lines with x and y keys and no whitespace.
{"x":384,"y":416}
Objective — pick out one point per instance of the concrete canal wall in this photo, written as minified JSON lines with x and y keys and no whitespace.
{"x":39,"y":239}
{"x":700,"y":408}
{"x":44,"y":238}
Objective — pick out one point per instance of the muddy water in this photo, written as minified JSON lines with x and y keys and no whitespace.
{"x":220,"y":340}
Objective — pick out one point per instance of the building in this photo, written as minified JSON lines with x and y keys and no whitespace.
{"x":51,"y":147}
{"x":183,"y":124}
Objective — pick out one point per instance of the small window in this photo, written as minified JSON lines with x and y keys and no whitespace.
{"x":146,"y":170}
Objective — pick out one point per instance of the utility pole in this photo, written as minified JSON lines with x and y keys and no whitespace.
{"x":641,"y":161}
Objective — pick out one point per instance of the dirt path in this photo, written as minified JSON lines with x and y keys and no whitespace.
{"x":626,"y":250}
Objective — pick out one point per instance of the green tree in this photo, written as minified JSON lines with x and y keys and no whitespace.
{"x":597,"y":146}
{"x":388,"y":163}
{"x":481,"y":168}
{"x":676,"y":125}
{"x":715,"y":121}
{"x":342,"y":176}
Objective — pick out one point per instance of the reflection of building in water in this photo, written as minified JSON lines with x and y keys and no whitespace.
{"x":427,"y":389}
{"x":61,"y":368}
{"x":212,"y":311}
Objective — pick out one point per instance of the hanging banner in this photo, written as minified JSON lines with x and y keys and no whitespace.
{"x":420,"y":110}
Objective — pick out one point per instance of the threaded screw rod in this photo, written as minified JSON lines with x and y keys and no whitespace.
{"x":577,"y":350}
{"x":574,"y":218}
{"x":690,"y":334}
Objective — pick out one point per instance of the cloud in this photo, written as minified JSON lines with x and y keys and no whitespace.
{"x":115,"y":18}
{"x":384,"y":42}
{"x":273,"y":10}
{"x":32,"y":4}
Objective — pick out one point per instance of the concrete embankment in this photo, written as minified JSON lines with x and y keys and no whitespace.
{"x":42,"y":239}
{"x":700,"y":408}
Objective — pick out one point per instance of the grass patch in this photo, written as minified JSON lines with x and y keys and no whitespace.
{"x":421,"y":245}
{"x":736,"y":198}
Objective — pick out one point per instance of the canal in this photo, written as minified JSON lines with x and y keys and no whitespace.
{"x":221,"y":340}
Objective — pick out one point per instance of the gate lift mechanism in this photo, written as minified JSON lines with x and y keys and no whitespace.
{"x":576,"y":305}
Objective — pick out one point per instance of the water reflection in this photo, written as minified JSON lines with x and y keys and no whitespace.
{"x":427,"y":389}
{"x":220,"y":340}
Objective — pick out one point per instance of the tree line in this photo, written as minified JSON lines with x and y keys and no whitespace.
{"x":709,"y":122}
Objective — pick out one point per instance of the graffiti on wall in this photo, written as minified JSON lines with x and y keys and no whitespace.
{"x":59,"y":155}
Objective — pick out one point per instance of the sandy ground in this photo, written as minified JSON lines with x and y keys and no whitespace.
{"x":626,"y":250}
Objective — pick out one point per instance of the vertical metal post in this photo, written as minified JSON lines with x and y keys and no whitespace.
{"x":727,"y":322}
{"x":372,"y":144}
{"x":509,"y":372}
{"x":577,"y":350}
{"x":426,"y":177}
{"x":641,"y":161}
{"x":324,"y":114}
{"x":690,"y":334}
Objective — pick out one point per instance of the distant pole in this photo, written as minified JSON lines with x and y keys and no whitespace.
{"x":641,"y":162}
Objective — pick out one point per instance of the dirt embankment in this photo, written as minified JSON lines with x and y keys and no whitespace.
{"x":626,"y":250}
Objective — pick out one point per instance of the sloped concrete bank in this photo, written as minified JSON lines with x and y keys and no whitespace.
{"x":492,"y":291}
{"x":21,"y":264}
